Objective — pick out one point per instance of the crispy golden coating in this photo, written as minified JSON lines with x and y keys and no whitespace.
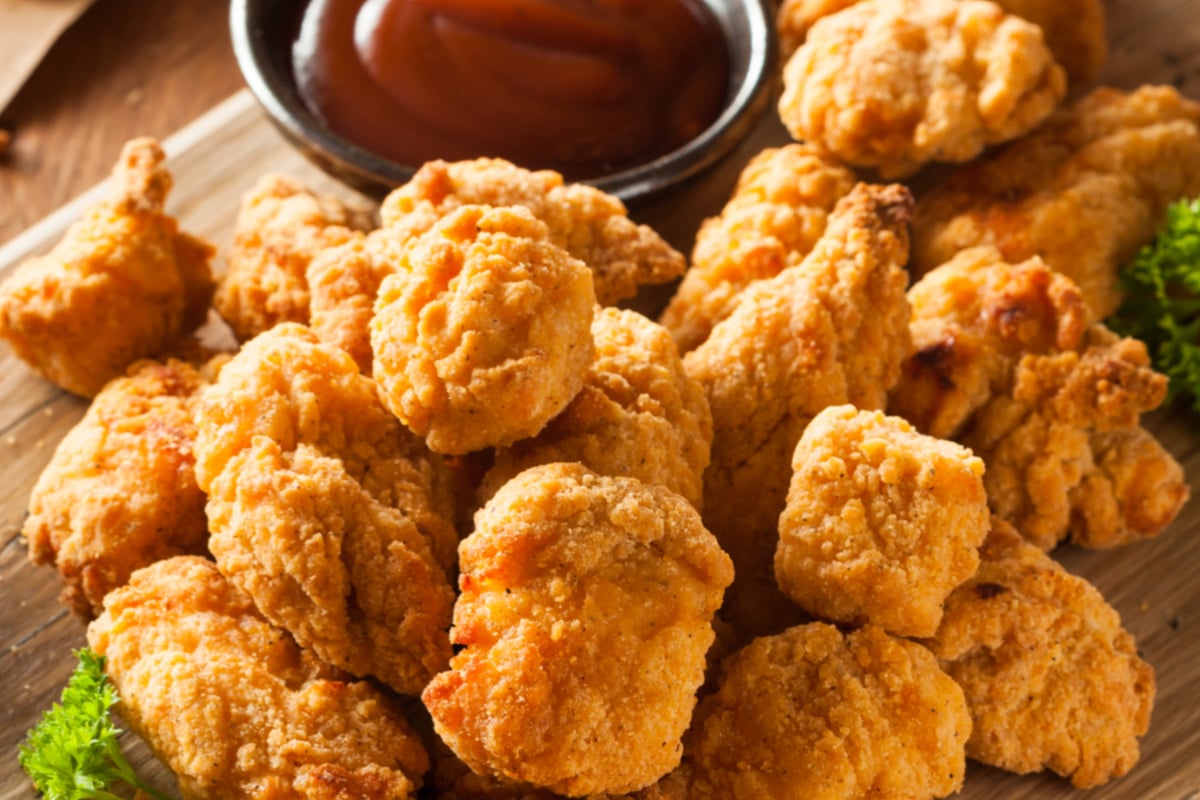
{"x":1051,"y":678}
{"x":343,"y":282}
{"x":812,"y":714}
{"x":483,"y":333}
{"x":881,"y":522}
{"x":777,"y":213}
{"x":587,"y":223}
{"x":1048,"y":445}
{"x":585,"y":612}
{"x":827,"y":331}
{"x":893,"y":85}
{"x":124,"y":283}
{"x":638,"y":415}
{"x":1084,"y":192}
{"x":1074,"y":29}
{"x":120,"y":491}
{"x":234,"y":707}
{"x":325,"y":510}
{"x":281,"y":226}
{"x":972,"y":320}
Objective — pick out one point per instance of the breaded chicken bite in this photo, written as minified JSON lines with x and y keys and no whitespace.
{"x":281,"y":226}
{"x":1051,"y":678}
{"x":972,"y":320}
{"x":585,"y":614}
{"x":325,"y":510}
{"x":343,"y":282}
{"x":881,"y":522}
{"x":1074,"y":29}
{"x":778,"y":211}
{"x":123,"y":284}
{"x":830,"y":330}
{"x":589,"y":224}
{"x":638,"y":415}
{"x":120,"y":491}
{"x":812,"y":714}
{"x":234,"y":707}
{"x":894,"y":84}
{"x":484,"y":332}
{"x":1084,"y":192}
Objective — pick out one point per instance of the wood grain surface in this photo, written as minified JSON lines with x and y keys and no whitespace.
{"x":1154,"y":585}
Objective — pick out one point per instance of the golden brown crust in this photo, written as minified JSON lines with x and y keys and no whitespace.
{"x":894,"y":85}
{"x":811,"y":714}
{"x":281,"y":226}
{"x":343,"y":282}
{"x":638,"y":415}
{"x":325,"y":510}
{"x":830,"y":330}
{"x":777,"y":213}
{"x":120,"y":491}
{"x":881,"y":522}
{"x":483,"y":332}
{"x":585,"y":611}
{"x":123,"y":284}
{"x":1084,"y":191}
{"x":1051,"y":678}
{"x":234,"y":707}
{"x":589,"y":224}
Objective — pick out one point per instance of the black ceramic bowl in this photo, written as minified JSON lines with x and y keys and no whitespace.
{"x":262,"y":31}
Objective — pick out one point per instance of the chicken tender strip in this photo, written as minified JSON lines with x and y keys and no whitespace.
{"x":1075,"y":30}
{"x":895,"y":84}
{"x":123,"y":284}
{"x":325,"y":510}
{"x":1049,"y":446}
{"x":1084,"y":192}
{"x":972,"y":320}
{"x":638,"y":415}
{"x":881,"y":522}
{"x":587,"y":223}
{"x":830,"y":330}
{"x":281,"y":226}
{"x":1051,"y":678}
{"x":234,"y":707}
{"x":585,"y":613}
{"x":120,"y":491}
{"x":812,"y":714}
{"x":778,"y":211}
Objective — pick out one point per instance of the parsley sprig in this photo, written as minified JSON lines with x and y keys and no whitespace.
{"x":73,"y":753}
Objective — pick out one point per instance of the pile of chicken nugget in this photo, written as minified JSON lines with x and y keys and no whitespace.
{"x":789,"y":541}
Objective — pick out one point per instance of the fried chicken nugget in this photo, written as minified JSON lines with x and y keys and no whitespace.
{"x":123,"y":284}
{"x":830,"y":330}
{"x":325,"y":510}
{"x":881,"y":522}
{"x":777,"y":213}
{"x":638,"y":415}
{"x":484,"y":332}
{"x":812,"y":714}
{"x":1084,"y":192}
{"x":281,"y":226}
{"x":1075,"y":30}
{"x":1049,"y":446}
{"x":120,"y":491}
{"x":893,"y":85}
{"x":972,"y":320}
{"x":589,"y":224}
{"x":1051,"y":678}
{"x":234,"y":707}
{"x":585,"y":613}
{"x":343,"y":283}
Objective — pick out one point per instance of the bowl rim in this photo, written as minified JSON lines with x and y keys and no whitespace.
{"x":275,"y":93}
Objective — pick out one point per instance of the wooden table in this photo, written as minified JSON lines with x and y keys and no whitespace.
{"x":1155,"y":585}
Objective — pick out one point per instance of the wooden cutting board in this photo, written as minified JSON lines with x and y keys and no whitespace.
{"x":1154,"y":585}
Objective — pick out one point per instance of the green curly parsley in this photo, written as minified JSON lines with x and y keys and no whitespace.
{"x":1162,"y":300}
{"x":73,"y":752}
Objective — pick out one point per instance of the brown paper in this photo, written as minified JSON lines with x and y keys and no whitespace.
{"x":28,"y":28}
